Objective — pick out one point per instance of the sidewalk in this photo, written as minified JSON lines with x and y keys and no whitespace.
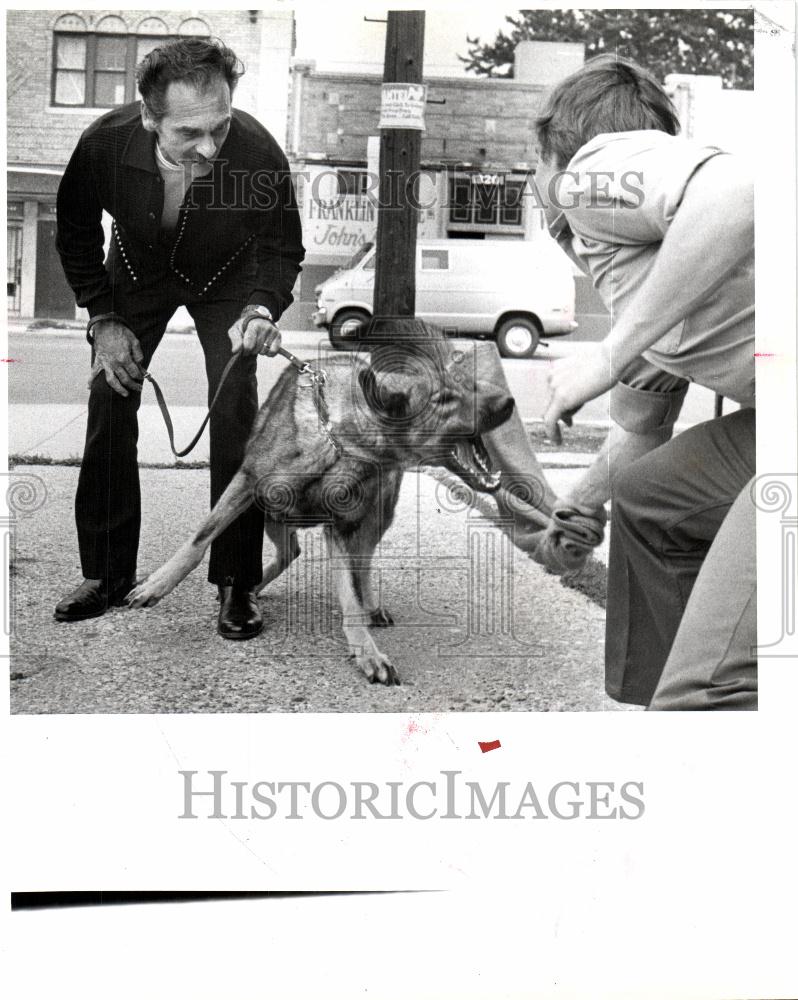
{"x":479,"y":626}
{"x":57,"y":432}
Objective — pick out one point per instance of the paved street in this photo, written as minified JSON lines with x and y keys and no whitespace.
{"x":47,"y":390}
{"x":52,"y":367}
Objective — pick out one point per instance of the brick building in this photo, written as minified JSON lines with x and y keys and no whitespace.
{"x":478,"y":152}
{"x":65,"y":68}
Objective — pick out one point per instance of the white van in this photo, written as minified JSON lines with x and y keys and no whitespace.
{"x":513,"y":290}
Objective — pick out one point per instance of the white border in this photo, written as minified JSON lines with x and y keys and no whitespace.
{"x":696,"y":899}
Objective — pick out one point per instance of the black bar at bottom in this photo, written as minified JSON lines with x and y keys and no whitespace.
{"x":34,"y":900}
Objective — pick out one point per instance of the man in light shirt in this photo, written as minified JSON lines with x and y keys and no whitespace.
{"x":665,"y":228}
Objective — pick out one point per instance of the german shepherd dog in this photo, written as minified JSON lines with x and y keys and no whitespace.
{"x":334,"y":454}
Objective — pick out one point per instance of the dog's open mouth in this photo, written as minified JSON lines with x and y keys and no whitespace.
{"x":469,"y":460}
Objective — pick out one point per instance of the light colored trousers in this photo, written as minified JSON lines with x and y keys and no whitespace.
{"x":681,"y":600}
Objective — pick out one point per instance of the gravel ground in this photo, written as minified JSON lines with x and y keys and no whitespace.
{"x":516,"y":640}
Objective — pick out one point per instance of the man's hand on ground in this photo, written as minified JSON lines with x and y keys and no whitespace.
{"x":572,"y":382}
{"x":260,"y":337}
{"x":118,"y":353}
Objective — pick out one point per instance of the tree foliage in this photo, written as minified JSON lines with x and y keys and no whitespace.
{"x":699,"y":41}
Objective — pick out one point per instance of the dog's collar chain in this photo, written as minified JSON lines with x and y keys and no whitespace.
{"x":317,"y":379}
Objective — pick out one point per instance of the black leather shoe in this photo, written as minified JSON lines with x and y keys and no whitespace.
{"x":239,"y":616}
{"x":92,"y":599}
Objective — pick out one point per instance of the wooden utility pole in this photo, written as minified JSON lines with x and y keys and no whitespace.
{"x":400,"y":157}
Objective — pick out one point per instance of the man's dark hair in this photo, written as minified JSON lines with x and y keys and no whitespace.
{"x":608,"y":94}
{"x":194,"y":61}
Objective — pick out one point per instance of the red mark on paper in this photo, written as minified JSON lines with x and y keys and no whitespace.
{"x":758,"y":354}
{"x":9,"y":361}
{"x":486,"y":747}
{"x":413,"y":728}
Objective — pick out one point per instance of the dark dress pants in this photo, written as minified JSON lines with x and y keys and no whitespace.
{"x":667,"y":511}
{"x":108,"y":501}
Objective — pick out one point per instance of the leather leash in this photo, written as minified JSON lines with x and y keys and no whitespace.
{"x":318,"y":379}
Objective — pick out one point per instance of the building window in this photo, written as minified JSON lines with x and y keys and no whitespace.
{"x":511,"y":210}
{"x":352,"y":182}
{"x":152,"y":26}
{"x":486,"y":201}
{"x":460,"y":207}
{"x":96,"y":69}
{"x":14,"y":259}
{"x":70,"y":72}
{"x":110,"y":62}
{"x":193,"y":26}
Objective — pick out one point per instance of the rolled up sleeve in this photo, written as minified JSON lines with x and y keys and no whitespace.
{"x":647,"y":399}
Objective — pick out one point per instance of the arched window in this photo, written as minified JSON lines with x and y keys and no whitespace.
{"x":152,"y":26}
{"x":194,"y":26}
{"x":151,"y":32}
{"x":70,"y":22}
{"x":111,"y":25}
{"x":95,"y":68}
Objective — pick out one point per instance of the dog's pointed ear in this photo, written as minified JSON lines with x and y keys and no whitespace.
{"x":385,"y":400}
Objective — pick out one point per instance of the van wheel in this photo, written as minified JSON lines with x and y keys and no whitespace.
{"x":346,"y":327}
{"x":518,"y":337}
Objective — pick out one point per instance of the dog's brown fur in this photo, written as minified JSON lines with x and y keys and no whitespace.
{"x":406,"y":411}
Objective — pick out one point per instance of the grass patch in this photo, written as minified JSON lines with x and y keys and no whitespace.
{"x":591,"y":581}
{"x":74,"y":460}
{"x":55,"y":324}
{"x":574,"y":439}
{"x":14,"y":460}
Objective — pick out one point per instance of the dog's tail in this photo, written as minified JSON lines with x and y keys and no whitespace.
{"x":233,"y":502}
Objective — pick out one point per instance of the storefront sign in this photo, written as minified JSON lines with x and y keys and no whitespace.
{"x":403,"y":105}
{"x":340,"y":225}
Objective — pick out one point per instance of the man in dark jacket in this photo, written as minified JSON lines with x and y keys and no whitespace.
{"x":204,"y":216}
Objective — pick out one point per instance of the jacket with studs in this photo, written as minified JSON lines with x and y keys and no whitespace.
{"x":244,"y":207}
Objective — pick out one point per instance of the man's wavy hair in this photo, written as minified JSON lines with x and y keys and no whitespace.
{"x":608,"y":94}
{"x":197,"y":62}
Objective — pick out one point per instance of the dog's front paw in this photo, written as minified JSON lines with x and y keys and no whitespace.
{"x":381,"y":618}
{"x":378,"y":668}
{"x":148,"y":593}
